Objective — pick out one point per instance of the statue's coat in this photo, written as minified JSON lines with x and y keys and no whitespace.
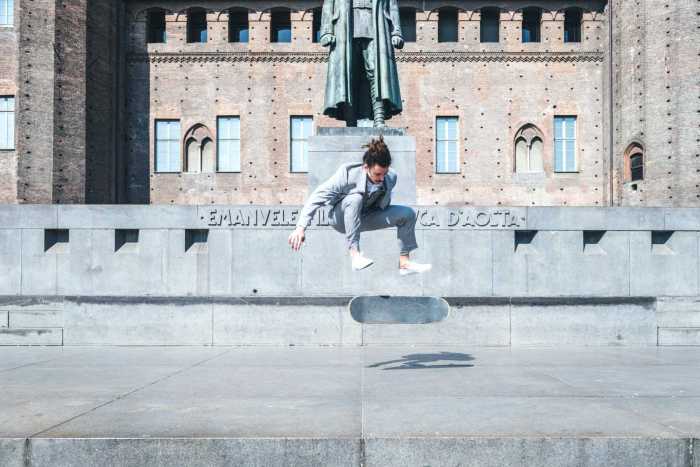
{"x":337,"y":20}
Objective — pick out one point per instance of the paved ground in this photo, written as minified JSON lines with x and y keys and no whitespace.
{"x":327,"y":392}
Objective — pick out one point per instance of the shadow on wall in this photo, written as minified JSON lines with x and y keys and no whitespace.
{"x":418,"y":361}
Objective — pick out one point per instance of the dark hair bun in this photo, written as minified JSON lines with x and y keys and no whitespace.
{"x":377,"y":153}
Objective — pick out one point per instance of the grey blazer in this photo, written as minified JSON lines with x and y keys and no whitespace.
{"x":348,"y":179}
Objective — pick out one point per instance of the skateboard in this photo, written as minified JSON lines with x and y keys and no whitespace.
{"x":385,"y":309}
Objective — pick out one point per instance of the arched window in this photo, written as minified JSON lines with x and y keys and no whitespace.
{"x":196,"y":25}
{"x":280,"y":25}
{"x":238,"y":25}
{"x":408,"y":24}
{"x":490,"y":24}
{"x":634,"y":162}
{"x":447,"y":25}
{"x":532,"y":18}
{"x":316,"y":27}
{"x":199,"y":150}
{"x":572,"y":25}
{"x":529,"y":149}
{"x":156,"y":26}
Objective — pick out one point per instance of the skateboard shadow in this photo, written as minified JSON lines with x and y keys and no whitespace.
{"x":419,"y":361}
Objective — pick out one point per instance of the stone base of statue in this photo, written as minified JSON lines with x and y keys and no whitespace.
{"x":331,"y":147}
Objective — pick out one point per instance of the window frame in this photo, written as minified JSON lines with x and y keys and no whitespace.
{"x":538,"y":38}
{"x":279,"y":10}
{"x":305,"y":140}
{"x":497,"y":12}
{"x":177,"y":141}
{"x":564,"y":168}
{"x":440,"y":18}
{"x":10,"y":13}
{"x":579,"y":32}
{"x":219,"y":139}
{"x":149,"y":28}
{"x":232,"y":13}
{"x":11,"y":129}
{"x":438,"y":141}
{"x":190,"y":25}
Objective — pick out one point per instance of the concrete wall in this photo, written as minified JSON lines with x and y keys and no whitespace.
{"x":83,"y":279}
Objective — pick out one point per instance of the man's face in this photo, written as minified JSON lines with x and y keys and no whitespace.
{"x":376,"y":173}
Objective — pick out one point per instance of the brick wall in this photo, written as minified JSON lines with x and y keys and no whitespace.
{"x":493,"y":88}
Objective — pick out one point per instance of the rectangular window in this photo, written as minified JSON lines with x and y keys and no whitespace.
{"x":446,"y":145}
{"x":7,"y":12}
{"x":300,"y":132}
{"x":7,"y":122}
{"x":228,"y":134}
{"x":168,"y":146}
{"x":565,"y":144}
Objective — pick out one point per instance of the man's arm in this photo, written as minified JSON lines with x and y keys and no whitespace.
{"x":323,"y":194}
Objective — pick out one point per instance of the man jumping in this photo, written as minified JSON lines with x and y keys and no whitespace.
{"x":360,"y":194}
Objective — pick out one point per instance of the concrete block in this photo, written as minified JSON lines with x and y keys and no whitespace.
{"x":185,"y":272}
{"x":681,"y":219}
{"x":673,"y":273}
{"x":465,"y":325}
{"x":323,"y":256}
{"x":565,"y":267}
{"x":195,"y":452}
{"x":679,"y":336}
{"x":76,"y":271}
{"x":30,"y":318}
{"x":38,"y":268}
{"x":31,"y":336}
{"x":595,"y":218}
{"x":278,"y":325}
{"x":509,"y":268}
{"x":10,"y":261}
{"x":530,"y":451}
{"x":573,"y":322}
{"x":462,"y":263}
{"x":220,"y":262}
{"x":255,"y":254}
{"x":128,"y":217}
{"x":4,"y":319}
{"x":12,"y":452}
{"x":126,"y":321}
{"x":28,"y":216}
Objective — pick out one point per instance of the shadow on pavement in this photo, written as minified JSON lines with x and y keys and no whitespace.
{"x":417,"y":361}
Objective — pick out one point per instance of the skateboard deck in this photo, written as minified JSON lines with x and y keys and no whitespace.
{"x":385,"y":309}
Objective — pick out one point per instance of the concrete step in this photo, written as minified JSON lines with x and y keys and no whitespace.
{"x":214,"y":320}
{"x":352,"y":452}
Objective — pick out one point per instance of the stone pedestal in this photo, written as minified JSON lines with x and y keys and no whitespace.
{"x":331,"y":147}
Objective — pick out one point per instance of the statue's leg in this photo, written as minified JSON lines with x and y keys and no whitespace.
{"x":368,"y":55}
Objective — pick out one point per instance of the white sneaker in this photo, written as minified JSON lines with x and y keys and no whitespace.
{"x":415,"y":268}
{"x":360,"y":262}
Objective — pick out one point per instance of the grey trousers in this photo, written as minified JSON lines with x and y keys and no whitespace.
{"x":351,"y":220}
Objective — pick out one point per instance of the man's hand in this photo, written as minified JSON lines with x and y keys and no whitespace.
{"x":296,"y":238}
{"x":327,"y":39}
{"x":397,"y":42}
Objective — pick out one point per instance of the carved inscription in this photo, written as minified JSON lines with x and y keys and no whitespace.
{"x":427,"y":218}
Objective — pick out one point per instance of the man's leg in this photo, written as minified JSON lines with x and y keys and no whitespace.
{"x":347,"y":214}
{"x":401,"y":217}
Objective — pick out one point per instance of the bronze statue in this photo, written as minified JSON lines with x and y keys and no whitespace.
{"x":362,"y":80}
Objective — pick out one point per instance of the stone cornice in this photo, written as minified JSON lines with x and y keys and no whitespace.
{"x":320,"y":57}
